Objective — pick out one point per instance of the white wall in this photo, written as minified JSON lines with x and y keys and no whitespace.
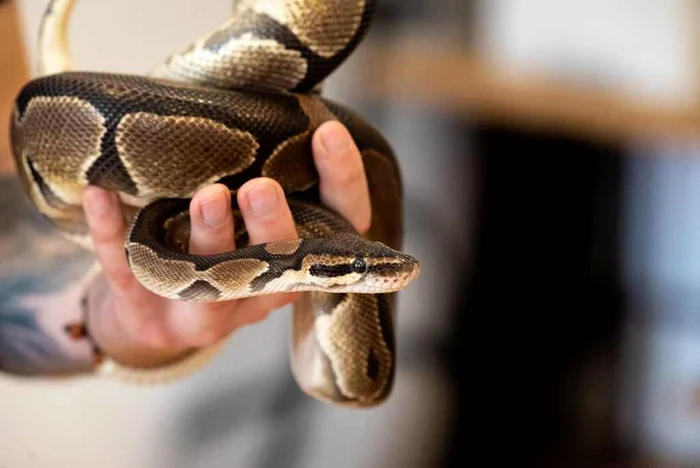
{"x":645,"y":50}
{"x":129,"y":35}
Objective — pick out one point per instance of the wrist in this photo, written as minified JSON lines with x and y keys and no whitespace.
{"x":115,"y":340}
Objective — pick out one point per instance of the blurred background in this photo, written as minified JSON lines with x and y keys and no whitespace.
{"x":551,"y":157}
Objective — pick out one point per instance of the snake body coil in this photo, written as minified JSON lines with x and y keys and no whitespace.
{"x":241,"y":102}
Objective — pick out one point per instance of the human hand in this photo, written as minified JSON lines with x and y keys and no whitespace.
{"x":141,"y":329}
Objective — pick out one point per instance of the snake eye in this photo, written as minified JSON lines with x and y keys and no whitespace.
{"x":359,"y":266}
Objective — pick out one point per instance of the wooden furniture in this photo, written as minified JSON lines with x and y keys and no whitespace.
{"x":458,"y":80}
{"x":14,"y":72}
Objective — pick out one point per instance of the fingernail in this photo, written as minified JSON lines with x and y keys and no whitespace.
{"x":100,"y":203}
{"x":263,"y":200}
{"x":335,"y":139}
{"x":214,"y":210}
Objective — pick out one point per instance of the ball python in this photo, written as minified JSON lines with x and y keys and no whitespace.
{"x":242,"y":101}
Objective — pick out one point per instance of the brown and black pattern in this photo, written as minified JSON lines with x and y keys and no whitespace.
{"x":237,"y":57}
{"x":154,"y":147}
{"x":342,"y":248}
{"x":241,"y":102}
{"x":352,"y":338}
{"x":319,"y":35}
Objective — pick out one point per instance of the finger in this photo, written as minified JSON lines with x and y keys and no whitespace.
{"x":212,"y":221}
{"x":267,"y":218}
{"x":265,"y":211}
{"x":107,"y":227}
{"x":211,"y":232}
{"x":343,"y":183}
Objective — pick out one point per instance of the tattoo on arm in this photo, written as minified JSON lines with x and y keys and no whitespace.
{"x":40,"y":273}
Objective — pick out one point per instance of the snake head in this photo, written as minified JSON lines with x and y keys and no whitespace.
{"x":353,"y":264}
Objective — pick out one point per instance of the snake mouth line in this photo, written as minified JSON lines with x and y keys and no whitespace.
{"x":397,"y":283}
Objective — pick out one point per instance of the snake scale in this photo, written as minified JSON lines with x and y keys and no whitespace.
{"x":241,"y":102}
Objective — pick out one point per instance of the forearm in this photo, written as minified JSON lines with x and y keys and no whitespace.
{"x":40,"y":289}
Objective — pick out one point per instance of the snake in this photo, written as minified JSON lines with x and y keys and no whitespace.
{"x":241,"y":101}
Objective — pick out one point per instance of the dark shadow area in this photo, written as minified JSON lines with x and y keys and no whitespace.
{"x":535,"y":336}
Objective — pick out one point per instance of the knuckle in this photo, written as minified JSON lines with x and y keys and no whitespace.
{"x":107,"y":233}
{"x":256,"y":314}
{"x":147,"y":331}
{"x":350,"y":179}
{"x":154,"y":336}
{"x":213,"y":325}
{"x":260,"y":315}
{"x":206,"y":337}
{"x":363,"y":224}
{"x":272,"y":302}
{"x":122,"y":279}
{"x":101,"y":235}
